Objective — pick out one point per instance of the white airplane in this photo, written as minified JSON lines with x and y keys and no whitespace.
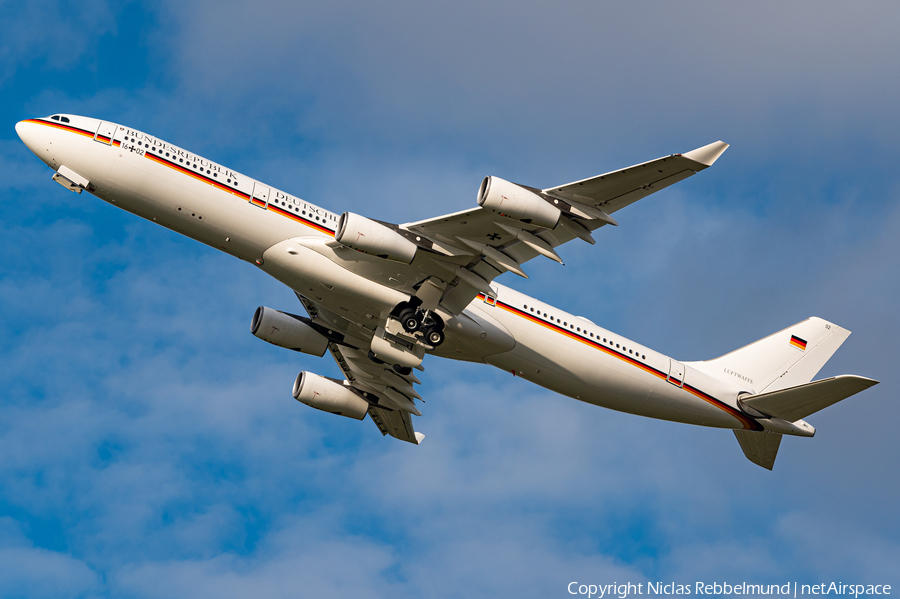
{"x":380,"y":296}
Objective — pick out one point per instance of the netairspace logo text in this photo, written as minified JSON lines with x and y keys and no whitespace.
{"x":791,"y":589}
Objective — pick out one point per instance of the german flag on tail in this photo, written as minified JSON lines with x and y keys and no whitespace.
{"x":798,"y":342}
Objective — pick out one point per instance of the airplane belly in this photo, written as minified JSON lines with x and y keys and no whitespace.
{"x":589,"y":374}
{"x":189,"y":207}
{"x":313,"y":275}
{"x":474,"y":336}
{"x":598,"y":380}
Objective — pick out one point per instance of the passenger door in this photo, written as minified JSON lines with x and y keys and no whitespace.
{"x":260,"y":195}
{"x":676,"y":373}
{"x":105,"y":132}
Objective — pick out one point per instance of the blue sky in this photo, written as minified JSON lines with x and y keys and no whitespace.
{"x":149,"y":443}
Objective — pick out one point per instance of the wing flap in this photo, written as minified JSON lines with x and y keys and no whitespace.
{"x":395,"y":423}
{"x":392,"y":389}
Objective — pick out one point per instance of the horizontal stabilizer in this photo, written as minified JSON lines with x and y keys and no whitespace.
{"x":798,"y":402}
{"x":760,"y":448}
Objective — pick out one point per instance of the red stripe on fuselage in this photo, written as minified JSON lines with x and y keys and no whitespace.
{"x":748,"y":423}
{"x":198,"y":176}
{"x":300,"y":219}
{"x":186,"y":171}
{"x":219,"y":185}
{"x":68,"y":128}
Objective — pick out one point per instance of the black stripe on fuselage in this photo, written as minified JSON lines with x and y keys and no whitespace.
{"x":748,"y":423}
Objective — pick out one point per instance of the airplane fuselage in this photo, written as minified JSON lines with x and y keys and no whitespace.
{"x":288,"y":238}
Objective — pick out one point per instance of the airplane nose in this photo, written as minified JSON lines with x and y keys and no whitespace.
{"x":25,"y":131}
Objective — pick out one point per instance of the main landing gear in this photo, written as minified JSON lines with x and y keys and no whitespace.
{"x":416,"y":320}
{"x":409,"y":332}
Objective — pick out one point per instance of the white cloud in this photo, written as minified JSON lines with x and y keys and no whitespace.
{"x":159,"y":440}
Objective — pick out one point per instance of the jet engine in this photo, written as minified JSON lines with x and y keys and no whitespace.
{"x":329,"y":395}
{"x":365,"y":235}
{"x":287,"y":330}
{"x":516,"y":202}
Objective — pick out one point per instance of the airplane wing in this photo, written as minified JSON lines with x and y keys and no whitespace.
{"x":390,"y":393}
{"x":474,"y":246}
{"x":394,"y":392}
{"x":613,"y":191}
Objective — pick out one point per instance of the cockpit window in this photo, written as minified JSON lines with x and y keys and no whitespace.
{"x":55,"y":117}
{"x":64,"y":119}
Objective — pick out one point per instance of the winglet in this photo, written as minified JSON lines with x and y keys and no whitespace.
{"x":707,"y":154}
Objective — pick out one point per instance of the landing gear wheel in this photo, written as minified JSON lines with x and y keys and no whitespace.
{"x":434,"y":337}
{"x":437,"y":323}
{"x":410,"y":320}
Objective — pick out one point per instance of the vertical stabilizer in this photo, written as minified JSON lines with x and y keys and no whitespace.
{"x":785,"y":359}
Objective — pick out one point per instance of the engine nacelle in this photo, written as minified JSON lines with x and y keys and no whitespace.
{"x":513,"y":201}
{"x":286,"y":330}
{"x":365,"y":235}
{"x":329,"y":396}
